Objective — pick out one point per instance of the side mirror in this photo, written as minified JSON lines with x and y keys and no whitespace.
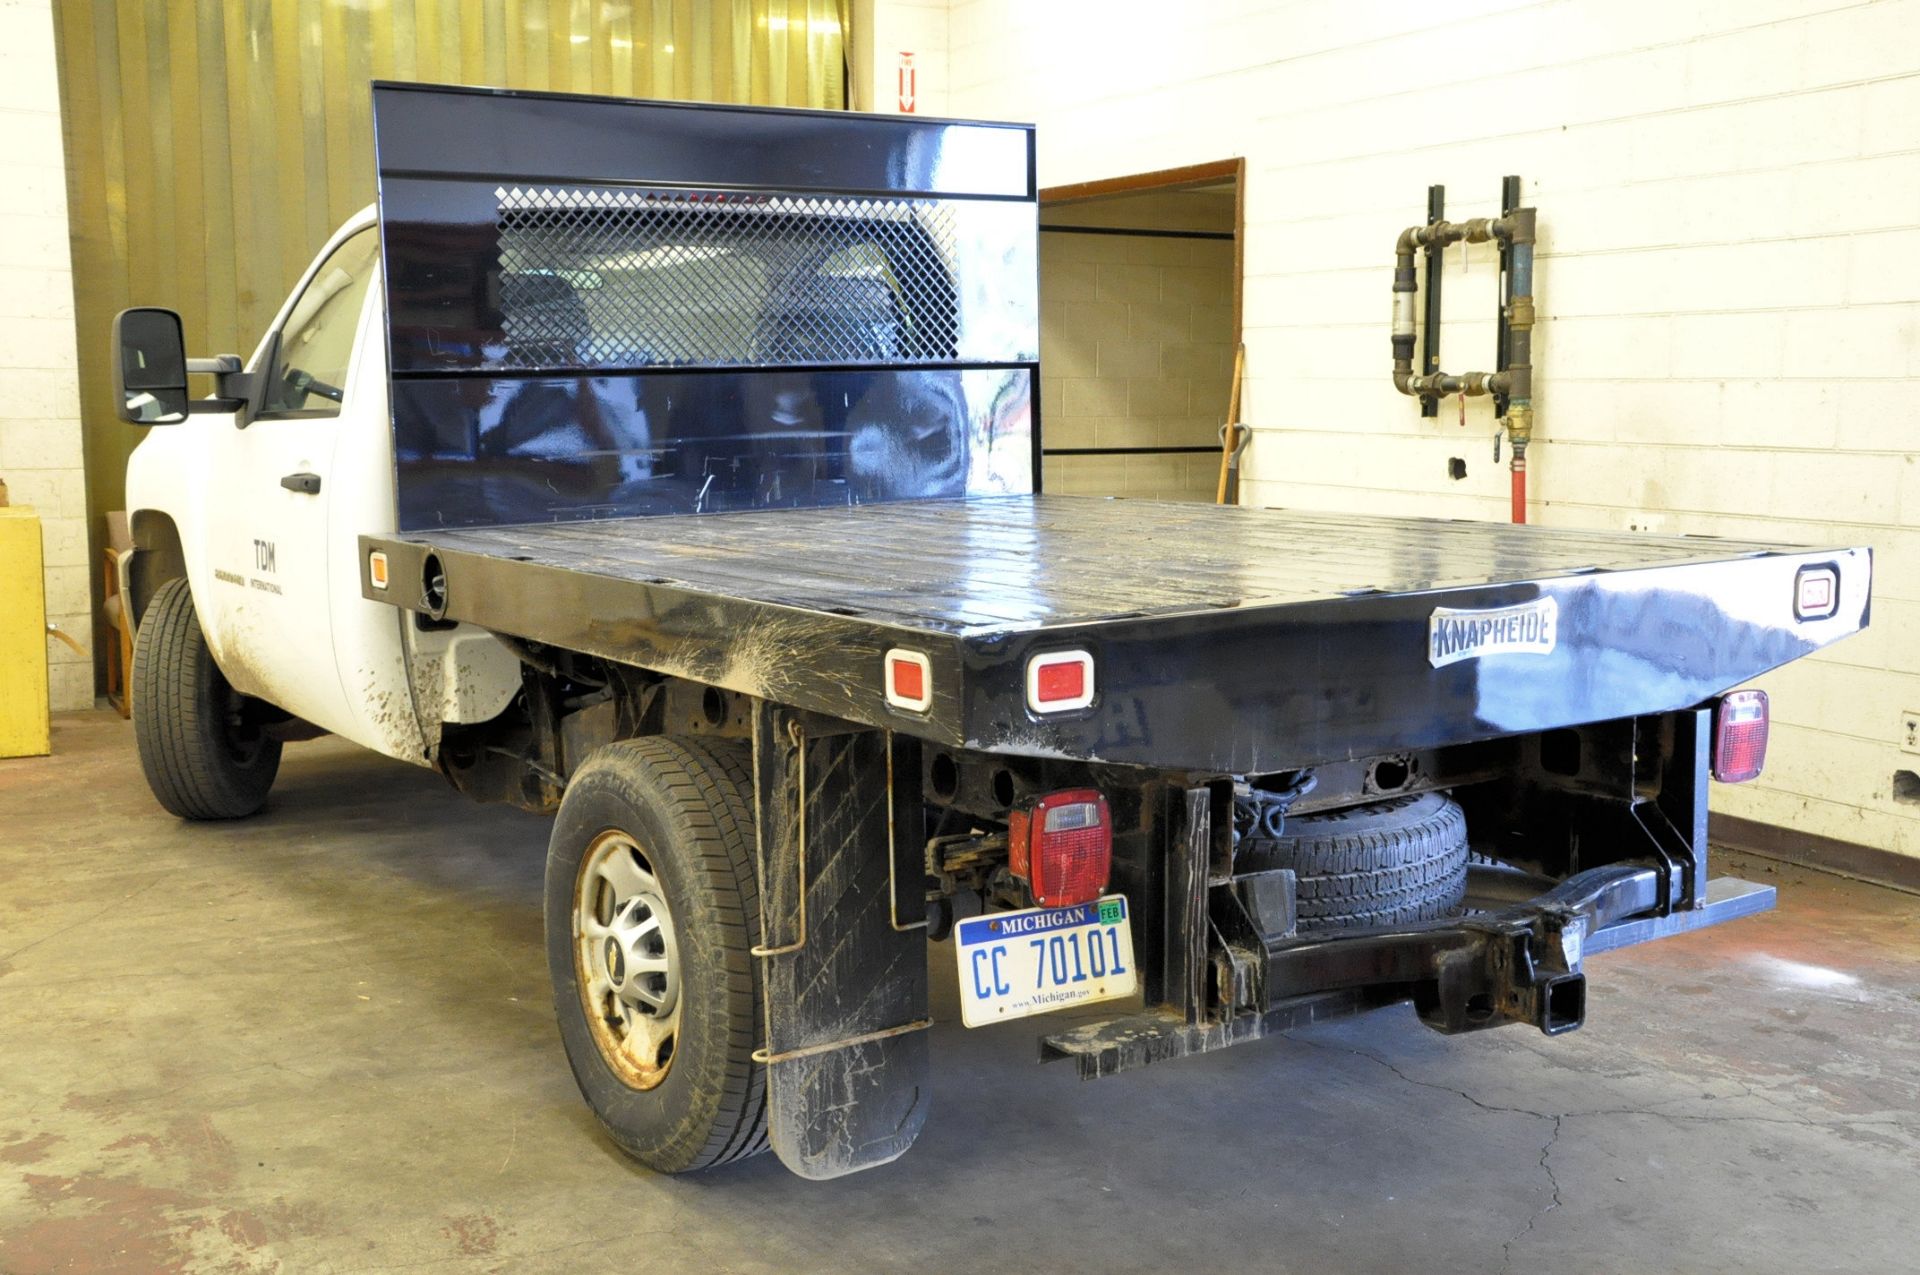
{"x":150,"y":366}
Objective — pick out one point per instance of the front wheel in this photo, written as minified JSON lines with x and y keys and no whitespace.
{"x":202,"y":744}
{"x":652,"y":909}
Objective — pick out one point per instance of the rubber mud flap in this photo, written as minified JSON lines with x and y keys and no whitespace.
{"x":848,"y":1076}
{"x":849,"y":1109}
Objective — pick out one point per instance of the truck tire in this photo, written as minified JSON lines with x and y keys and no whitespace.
{"x":1392,"y":861}
{"x":652,"y":909}
{"x":204,"y":756}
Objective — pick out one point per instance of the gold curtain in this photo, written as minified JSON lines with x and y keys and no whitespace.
{"x":212,"y":145}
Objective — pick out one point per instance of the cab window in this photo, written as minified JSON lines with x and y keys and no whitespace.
{"x":309,"y":373}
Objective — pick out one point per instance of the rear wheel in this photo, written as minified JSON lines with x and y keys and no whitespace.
{"x":652,"y":908}
{"x":202,"y":744}
{"x":1380,"y":864}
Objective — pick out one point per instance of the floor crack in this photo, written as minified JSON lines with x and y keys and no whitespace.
{"x":69,"y":927}
{"x":1651,"y":1112}
{"x":1546,"y":1167}
{"x":1426,"y":1084}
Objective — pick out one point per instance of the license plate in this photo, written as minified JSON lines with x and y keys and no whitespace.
{"x":1013,"y":964}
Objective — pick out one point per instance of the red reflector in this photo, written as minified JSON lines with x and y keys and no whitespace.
{"x":909,"y":681}
{"x":1740,"y":736}
{"x":1059,"y":681}
{"x":1063,"y":847}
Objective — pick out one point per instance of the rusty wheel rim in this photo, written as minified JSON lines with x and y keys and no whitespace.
{"x":626,"y":961}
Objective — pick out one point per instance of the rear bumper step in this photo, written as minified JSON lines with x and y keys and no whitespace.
{"x":1521,"y":964}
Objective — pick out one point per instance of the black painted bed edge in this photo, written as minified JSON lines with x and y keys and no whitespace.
{"x":1228,"y":690}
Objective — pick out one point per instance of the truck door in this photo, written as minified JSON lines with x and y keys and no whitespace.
{"x":273,"y":627}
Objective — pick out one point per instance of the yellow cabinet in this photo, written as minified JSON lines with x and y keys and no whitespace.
{"x":23,"y":636}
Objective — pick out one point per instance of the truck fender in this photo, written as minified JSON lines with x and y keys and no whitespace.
{"x":157,"y":557}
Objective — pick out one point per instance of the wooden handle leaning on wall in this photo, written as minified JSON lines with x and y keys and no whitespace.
{"x":55,"y":631}
{"x":1230,"y":440}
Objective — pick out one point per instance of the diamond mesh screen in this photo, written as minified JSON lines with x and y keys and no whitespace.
{"x":634,"y":278}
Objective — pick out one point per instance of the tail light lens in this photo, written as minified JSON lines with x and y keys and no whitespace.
{"x":1062,"y":846}
{"x":1740,"y":736}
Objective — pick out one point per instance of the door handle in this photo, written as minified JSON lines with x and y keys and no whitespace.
{"x":306,"y":484}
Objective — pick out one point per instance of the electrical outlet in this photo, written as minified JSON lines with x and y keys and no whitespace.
{"x":1909,"y":731}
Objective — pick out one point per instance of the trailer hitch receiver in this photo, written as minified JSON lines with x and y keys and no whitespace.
{"x":1506,"y":969}
{"x":1563,"y":1004}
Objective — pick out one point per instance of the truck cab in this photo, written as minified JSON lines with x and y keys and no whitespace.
{"x":258,"y":503}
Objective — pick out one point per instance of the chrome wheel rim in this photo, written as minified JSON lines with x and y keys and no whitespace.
{"x":626,"y":960}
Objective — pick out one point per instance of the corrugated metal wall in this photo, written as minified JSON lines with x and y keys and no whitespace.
{"x":213,"y":144}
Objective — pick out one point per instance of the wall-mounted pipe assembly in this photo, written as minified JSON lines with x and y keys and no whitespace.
{"x":1513,"y":379}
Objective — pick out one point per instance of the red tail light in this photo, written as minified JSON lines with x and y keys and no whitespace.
{"x":1740,"y":736}
{"x":1063,"y":846}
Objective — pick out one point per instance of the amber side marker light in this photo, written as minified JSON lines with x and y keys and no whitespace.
{"x":1740,"y":722}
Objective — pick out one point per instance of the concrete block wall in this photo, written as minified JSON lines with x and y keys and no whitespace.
{"x":1729,"y":276}
{"x":39,"y":386}
{"x":1136,"y":345}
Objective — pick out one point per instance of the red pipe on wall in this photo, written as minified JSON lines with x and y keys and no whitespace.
{"x":1519,"y":490}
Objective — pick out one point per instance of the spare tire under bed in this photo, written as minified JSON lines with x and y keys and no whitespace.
{"x":1404,"y":859}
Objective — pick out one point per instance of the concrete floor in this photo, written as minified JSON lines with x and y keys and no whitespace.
{"x":321,"y":1041}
